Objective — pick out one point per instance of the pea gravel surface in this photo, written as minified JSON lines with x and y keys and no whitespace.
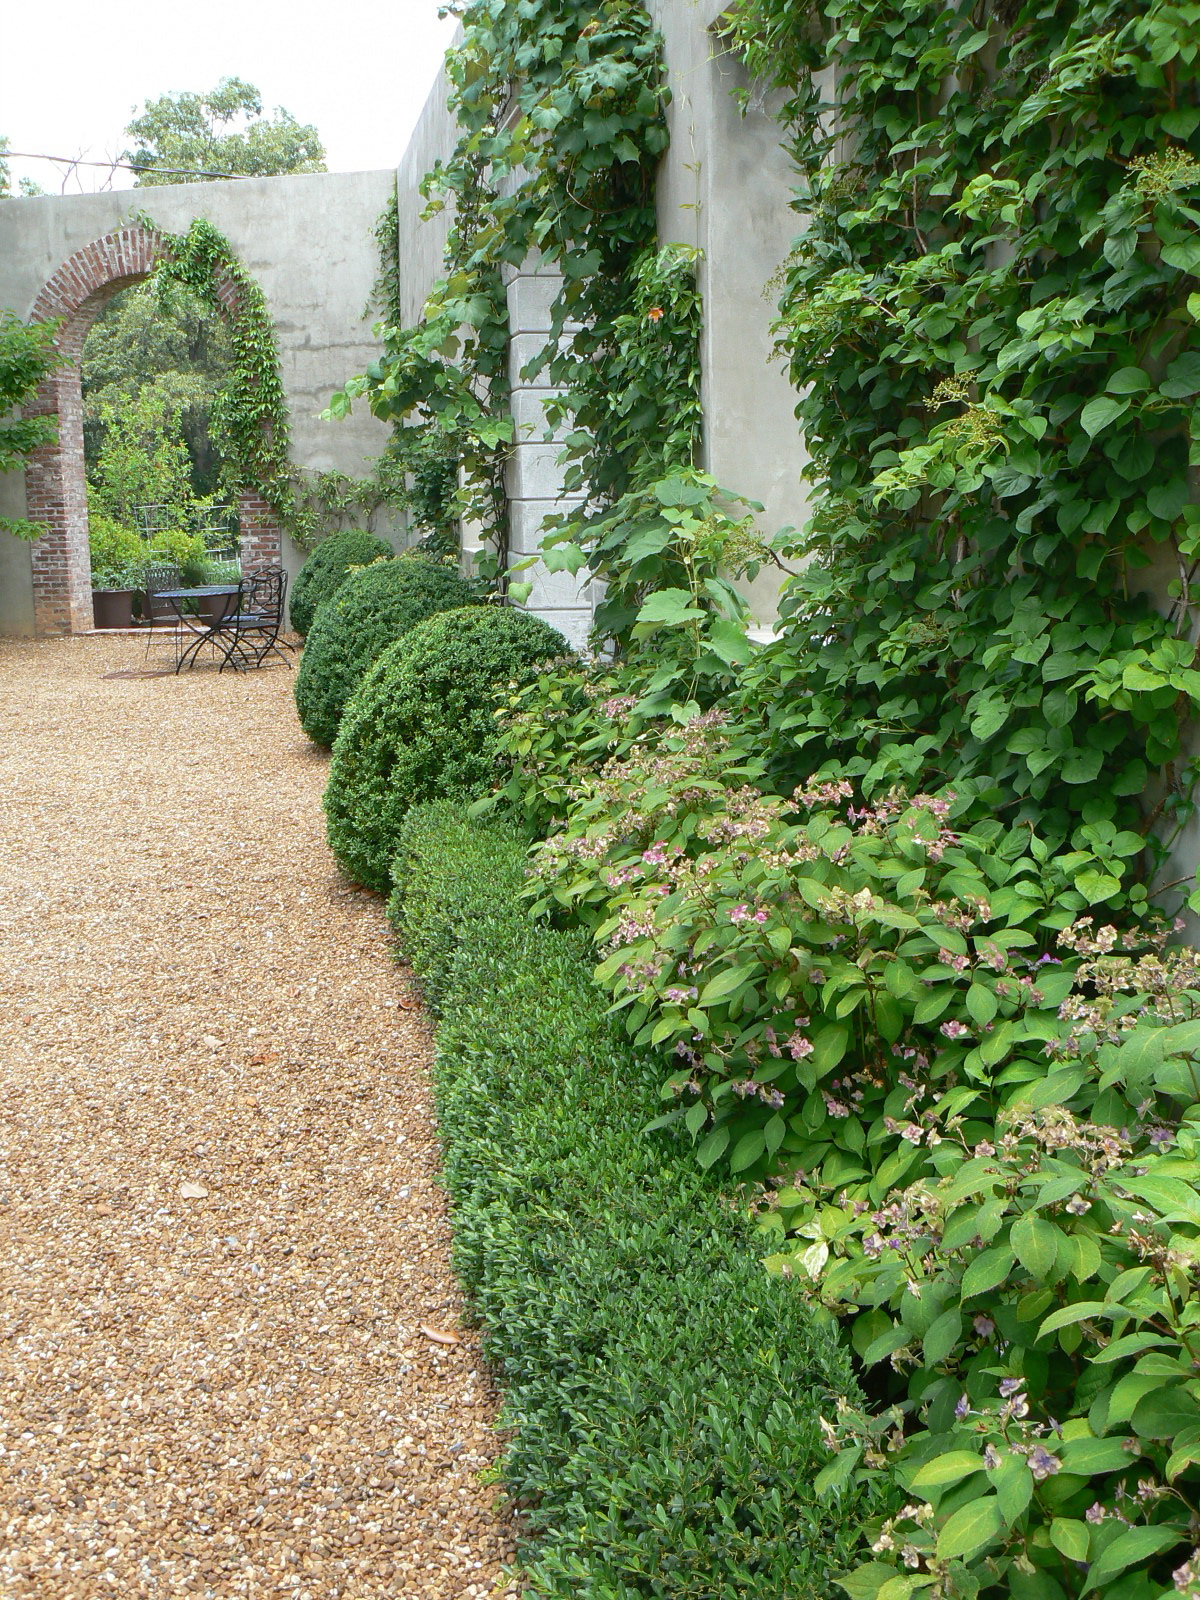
{"x":227,"y":1321}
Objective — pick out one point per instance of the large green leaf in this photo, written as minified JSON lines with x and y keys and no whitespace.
{"x":724,"y":984}
{"x":970,"y":1528}
{"x":987,"y":1271}
{"x":1101,"y":413}
{"x":667,"y":607}
{"x":1035,"y":1241}
{"x":950,"y":1467}
{"x":1131,"y":1548}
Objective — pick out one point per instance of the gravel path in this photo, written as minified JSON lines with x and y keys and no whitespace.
{"x":220,"y":1231}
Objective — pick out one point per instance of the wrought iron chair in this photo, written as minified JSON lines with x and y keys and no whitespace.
{"x":159,"y":575}
{"x":251,"y":634}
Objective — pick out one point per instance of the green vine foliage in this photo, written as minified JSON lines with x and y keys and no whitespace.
{"x":561,"y":118}
{"x":251,"y":409}
{"x":27,"y":355}
{"x":991,"y":317}
{"x":385,"y":291}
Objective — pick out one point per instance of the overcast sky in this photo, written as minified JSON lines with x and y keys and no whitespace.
{"x":71,"y":76}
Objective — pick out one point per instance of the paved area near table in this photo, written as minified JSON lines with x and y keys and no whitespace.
{"x":221,"y":1238}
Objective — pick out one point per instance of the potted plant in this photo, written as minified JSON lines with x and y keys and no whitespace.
{"x":113,"y":590}
{"x":214,"y":608}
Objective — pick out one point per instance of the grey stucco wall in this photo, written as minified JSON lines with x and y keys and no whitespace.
{"x":725,"y":189}
{"x":423,"y":241}
{"x":308,"y":241}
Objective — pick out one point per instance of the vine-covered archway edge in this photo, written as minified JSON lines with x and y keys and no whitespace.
{"x":254,"y":402}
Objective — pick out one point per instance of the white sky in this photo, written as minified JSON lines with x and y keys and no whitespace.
{"x":72,"y":76}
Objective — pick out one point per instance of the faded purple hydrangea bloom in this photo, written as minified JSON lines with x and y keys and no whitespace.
{"x":1042,"y":1463}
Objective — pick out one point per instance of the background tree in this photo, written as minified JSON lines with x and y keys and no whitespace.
{"x":27,"y":354}
{"x":25,"y":186}
{"x":144,"y":463}
{"x":161,"y":341}
{"x":221,"y":132}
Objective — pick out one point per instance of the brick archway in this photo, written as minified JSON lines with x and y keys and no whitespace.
{"x":55,"y":486}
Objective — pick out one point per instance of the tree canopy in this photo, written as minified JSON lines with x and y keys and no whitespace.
{"x":159,"y":339}
{"x":188,"y":138}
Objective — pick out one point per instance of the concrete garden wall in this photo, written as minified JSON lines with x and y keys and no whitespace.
{"x":308,"y":241}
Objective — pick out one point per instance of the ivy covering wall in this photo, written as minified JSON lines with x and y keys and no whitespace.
{"x":991,"y":317}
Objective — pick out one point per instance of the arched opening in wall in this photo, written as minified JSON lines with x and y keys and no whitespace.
{"x":56,"y":483}
{"x":161,"y":478}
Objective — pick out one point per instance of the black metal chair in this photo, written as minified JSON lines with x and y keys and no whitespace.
{"x":251,"y":633}
{"x":159,"y":575}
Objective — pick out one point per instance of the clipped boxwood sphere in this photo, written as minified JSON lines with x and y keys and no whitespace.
{"x":421,"y":726}
{"x":373,"y":608}
{"x":325,"y":571}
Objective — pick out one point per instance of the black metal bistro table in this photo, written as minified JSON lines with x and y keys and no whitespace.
{"x":202,"y":631}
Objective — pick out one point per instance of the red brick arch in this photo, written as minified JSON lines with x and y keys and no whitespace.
{"x":55,"y":487}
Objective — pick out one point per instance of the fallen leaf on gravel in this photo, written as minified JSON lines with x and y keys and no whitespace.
{"x":193,"y":1191}
{"x":407,"y":1004}
{"x":439,"y":1336}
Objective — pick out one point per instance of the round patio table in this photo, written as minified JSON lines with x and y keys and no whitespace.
{"x":178,"y":598}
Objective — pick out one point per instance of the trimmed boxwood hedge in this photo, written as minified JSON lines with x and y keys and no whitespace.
{"x":666,"y":1394}
{"x":371,"y":610}
{"x":421,"y":726}
{"x":326,"y":568}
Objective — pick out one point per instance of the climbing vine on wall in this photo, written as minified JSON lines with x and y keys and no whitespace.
{"x":251,"y":409}
{"x":561,"y":118}
{"x":27,"y":355}
{"x":385,"y":291}
{"x":991,"y":317}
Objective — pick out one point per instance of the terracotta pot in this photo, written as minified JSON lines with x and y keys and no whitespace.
{"x":214,"y":607}
{"x":112,"y":608}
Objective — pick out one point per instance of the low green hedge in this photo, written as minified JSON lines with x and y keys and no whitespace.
{"x":327,"y":568}
{"x":422,"y":726}
{"x":371,"y":610}
{"x":666,"y":1394}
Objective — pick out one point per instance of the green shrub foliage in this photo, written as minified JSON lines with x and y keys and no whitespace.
{"x":327,"y":568}
{"x":886,"y":913}
{"x":422,"y":726}
{"x":667,"y":1397}
{"x":369,"y":611}
{"x":976,"y":1114}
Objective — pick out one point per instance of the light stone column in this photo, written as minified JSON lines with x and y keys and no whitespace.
{"x":533,"y":478}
